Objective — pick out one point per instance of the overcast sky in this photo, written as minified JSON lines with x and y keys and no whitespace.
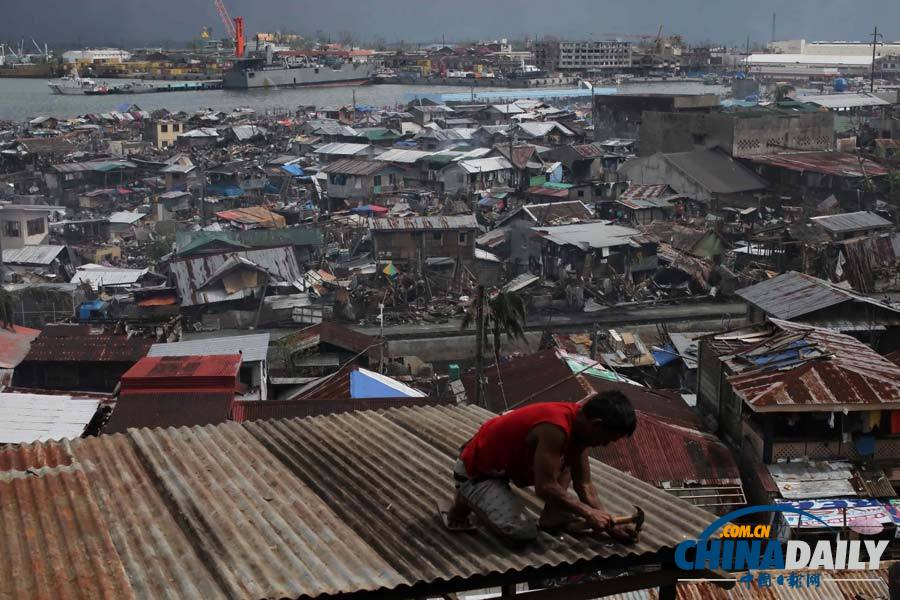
{"x":133,"y":22}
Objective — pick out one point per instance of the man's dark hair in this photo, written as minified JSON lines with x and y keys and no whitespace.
{"x":614,"y":409}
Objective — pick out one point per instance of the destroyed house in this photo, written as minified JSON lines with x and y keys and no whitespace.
{"x":784,"y":391}
{"x":66,"y":180}
{"x":79,"y":357}
{"x":596,"y":249}
{"x":806,"y":299}
{"x":408,"y":240}
{"x":195,"y":487}
{"x":359,"y":179}
{"x":644,"y":204}
{"x":708,"y":176}
{"x":306,"y":241}
{"x":175,"y":391}
{"x":50,"y":262}
{"x":849,"y":225}
{"x":806,"y":172}
{"x":234,"y":277}
{"x":317,"y":351}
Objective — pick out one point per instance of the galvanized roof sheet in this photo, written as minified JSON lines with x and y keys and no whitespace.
{"x":32,"y":255}
{"x":792,"y":294}
{"x":716,"y":172}
{"x":252,"y":348}
{"x":356,"y":166}
{"x":854,"y":221}
{"x":65,"y":342}
{"x":341,"y":504}
{"x":422,"y":223}
{"x":15,"y":341}
{"x":485,"y":165}
{"x":26,"y":418}
{"x":97,"y":276}
{"x":600,"y":234}
{"x":809,"y":368}
{"x":342,"y":149}
{"x":845,"y":100}
{"x":125,"y":217}
{"x":400,"y":155}
{"x":839,"y":164}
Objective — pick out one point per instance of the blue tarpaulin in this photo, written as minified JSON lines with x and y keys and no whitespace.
{"x":229,"y":191}
{"x":368,"y":384}
{"x":664,"y":355}
{"x":293,"y":170}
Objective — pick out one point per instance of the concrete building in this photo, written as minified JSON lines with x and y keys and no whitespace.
{"x":835,"y":48}
{"x":163,"y":133}
{"x":596,"y":56}
{"x":24,"y":225}
{"x":740,"y":134}
{"x":619,"y":115}
{"x":96,"y":55}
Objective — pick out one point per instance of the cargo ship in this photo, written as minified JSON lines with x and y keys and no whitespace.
{"x":275,"y":71}
{"x":27,"y":70}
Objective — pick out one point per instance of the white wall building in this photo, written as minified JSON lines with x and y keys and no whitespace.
{"x":835,"y":48}
{"x":109,"y":55}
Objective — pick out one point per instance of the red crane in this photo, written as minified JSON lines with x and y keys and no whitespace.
{"x":234,"y":27}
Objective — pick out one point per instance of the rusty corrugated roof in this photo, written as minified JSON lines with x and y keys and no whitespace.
{"x":423,"y":223}
{"x":804,"y":367}
{"x":86,"y":343}
{"x":341,"y":504}
{"x":15,"y":342}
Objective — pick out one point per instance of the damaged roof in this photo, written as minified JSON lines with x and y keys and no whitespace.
{"x":32,"y":255}
{"x":600,"y":234}
{"x":792,"y":295}
{"x":288,"y":509}
{"x":86,"y":343}
{"x":356,"y":166}
{"x":840,"y":164}
{"x":15,"y":341}
{"x":716,"y":172}
{"x":423,"y":223}
{"x":252,"y":348}
{"x":799,"y":367}
{"x":852,"y":222}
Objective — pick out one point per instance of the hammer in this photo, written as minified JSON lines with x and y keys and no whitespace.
{"x":637,"y":519}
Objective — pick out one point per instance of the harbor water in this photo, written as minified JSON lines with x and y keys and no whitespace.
{"x":22,"y":99}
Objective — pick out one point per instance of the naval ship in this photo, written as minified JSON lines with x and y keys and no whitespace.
{"x":282,"y":70}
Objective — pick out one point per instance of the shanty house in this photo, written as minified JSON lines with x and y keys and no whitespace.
{"x":79,"y":357}
{"x":253,"y":349}
{"x":66,"y":180}
{"x":804,"y":173}
{"x":359,"y":179}
{"x":596,"y":249}
{"x":411,"y":240}
{"x":466,"y":176}
{"x":708,"y":176}
{"x":850,"y":225}
{"x":806,"y":299}
{"x":176,"y":391}
{"x":784,"y":391}
{"x":50,"y":262}
{"x":643,"y":204}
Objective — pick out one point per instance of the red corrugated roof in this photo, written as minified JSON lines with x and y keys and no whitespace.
{"x":15,"y":342}
{"x":255,"y":410}
{"x":86,"y":343}
{"x":333,"y":334}
{"x":169,"y":372}
{"x":802,"y":367}
{"x":841,"y":164}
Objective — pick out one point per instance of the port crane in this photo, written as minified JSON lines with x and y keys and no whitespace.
{"x":234,"y":27}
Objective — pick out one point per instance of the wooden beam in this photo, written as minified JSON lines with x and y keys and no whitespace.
{"x":606,"y":587}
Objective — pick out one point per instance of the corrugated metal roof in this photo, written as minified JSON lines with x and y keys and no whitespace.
{"x":26,"y":418}
{"x":252,"y":348}
{"x":399,"y":155}
{"x":291,"y":508}
{"x":850,"y":222}
{"x":15,"y":341}
{"x":96,"y":165}
{"x":191,"y":273}
{"x":840,"y":164}
{"x":56,"y":543}
{"x":845,"y":100}
{"x":543,"y":214}
{"x":423,"y":223}
{"x":86,"y":343}
{"x":98,"y":277}
{"x":485,"y":165}
{"x":342,"y":149}
{"x":32,"y":255}
{"x":647,"y":192}
{"x":170,"y":408}
{"x":716,"y":172}
{"x":588,"y":235}
{"x":255,"y":410}
{"x":792,"y":295}
{"x":809,"y":368}
{"x":175,"y":371}
{"x":253,"y":215}
{"x":356,"y":166}
{"x":125,"y":217}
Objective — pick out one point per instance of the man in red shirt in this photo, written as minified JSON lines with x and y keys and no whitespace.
{"x":544,"y":445}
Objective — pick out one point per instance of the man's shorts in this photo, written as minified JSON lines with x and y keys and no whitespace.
{"x":494,"y":502}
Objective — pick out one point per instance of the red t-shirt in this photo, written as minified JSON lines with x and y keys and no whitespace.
{"x":499,"y":448}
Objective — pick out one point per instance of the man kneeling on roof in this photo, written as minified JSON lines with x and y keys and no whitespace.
{"x":545,"y":445}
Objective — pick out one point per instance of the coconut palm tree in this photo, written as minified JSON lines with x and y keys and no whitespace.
{"x":502,"y":314}
{"x":782,"y":91}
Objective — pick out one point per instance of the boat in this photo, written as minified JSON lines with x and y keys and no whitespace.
{"x":275,"y":71}
{"x":73,"y":84}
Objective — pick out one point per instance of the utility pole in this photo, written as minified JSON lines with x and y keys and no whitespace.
{"x":479,"y":350}
{"x":773,"y":27}
{"x":875,"y":36}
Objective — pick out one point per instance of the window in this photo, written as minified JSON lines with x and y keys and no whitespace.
{"x":35,"y":226}
{"x":164,"y":128}
{"x":581,"y":193}
{"x":176,"y":127}
{"x":377,"y":180}
{"x":463,"y":238}
{"x":11,"y":229}
{"x":392,"y":179}
{"x":437,"y":237}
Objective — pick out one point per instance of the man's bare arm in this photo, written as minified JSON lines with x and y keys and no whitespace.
{"x":548,"y":456}
{"x":581,"y":481}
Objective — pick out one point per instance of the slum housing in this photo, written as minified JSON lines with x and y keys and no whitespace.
{"x":229,"y":316}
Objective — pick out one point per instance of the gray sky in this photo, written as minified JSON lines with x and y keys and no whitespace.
{"x":142,"y":21}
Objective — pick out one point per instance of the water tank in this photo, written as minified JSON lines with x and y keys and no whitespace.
{"x":840,"y":84}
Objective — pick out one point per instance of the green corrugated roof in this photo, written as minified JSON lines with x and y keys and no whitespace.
{"x":375,"y":134}
{"x":189,"y":242}
{"x":557,"y":186}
